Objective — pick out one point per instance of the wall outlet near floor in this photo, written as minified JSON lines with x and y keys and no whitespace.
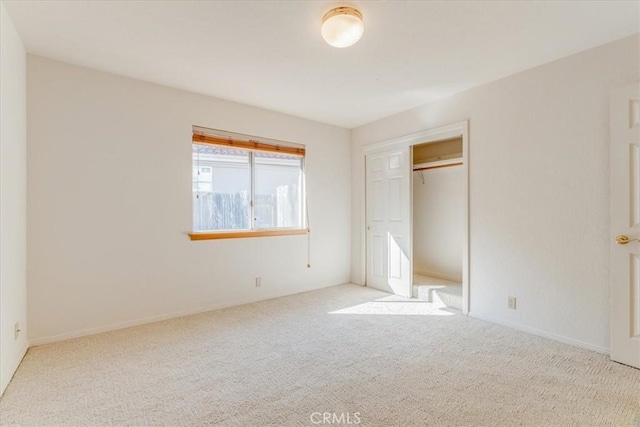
{"x":16,"y":330}
{"x":511,"y":303}
{"x":258,"y":282}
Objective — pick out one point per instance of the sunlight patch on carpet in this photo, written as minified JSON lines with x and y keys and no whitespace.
{"x":397,"y":306}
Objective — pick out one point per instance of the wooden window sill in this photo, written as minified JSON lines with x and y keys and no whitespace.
{"x":241,"y":234}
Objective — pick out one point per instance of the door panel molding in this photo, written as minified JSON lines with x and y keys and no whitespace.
{"x":624,"y":172}
{"x":387,"y":215}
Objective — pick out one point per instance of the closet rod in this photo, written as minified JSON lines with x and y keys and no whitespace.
{"x":437,"y":167}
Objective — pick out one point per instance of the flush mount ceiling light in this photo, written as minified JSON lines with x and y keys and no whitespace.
{"x":342,"y":26}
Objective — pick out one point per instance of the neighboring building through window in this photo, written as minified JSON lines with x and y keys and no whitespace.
{"x":244,"y":185}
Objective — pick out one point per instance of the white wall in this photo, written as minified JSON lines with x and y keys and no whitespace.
{"x":13,"y":198}
{"x":110,"y":205}
{"x":438,"y":226}
{"x":539,"y":178}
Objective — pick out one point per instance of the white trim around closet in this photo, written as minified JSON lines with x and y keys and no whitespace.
{"x":453,"y":130}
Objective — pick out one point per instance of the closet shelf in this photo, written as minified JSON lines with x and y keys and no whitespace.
{"x":442,"y":163}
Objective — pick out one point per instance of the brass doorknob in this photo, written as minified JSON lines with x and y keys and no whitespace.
{"x":623,"y":240}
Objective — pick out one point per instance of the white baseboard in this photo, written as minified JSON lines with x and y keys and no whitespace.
{"x":439,"y":276}
{"x":533,"y":331}
{"x":174,"y":315}
{"x":161,"y":317}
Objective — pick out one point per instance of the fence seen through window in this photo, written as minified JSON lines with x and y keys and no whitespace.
{"x":238,"y":189}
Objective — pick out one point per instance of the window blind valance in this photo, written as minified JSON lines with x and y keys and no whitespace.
{"x":248,"y":144}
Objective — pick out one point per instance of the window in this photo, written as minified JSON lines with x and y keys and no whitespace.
{"x":245,"y":188}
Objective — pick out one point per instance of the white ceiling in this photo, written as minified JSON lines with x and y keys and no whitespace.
{"x":270,"y":53}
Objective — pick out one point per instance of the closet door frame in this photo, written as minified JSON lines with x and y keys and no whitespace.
{"x":453,"y":130}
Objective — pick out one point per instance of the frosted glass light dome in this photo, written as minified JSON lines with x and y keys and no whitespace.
{"x":342,"y":26}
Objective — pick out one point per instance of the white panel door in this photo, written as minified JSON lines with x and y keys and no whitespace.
{"x":388,"y":201}
{"x":625,"y":225}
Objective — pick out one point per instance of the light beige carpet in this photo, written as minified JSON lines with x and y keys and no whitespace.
{"x":345,"y":350}
{"x":439,"y":291}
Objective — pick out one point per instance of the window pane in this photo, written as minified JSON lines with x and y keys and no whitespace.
{"x":221,"y":188}
{"x":278,"y":191}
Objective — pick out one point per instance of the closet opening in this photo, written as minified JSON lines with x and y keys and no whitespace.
{"x":439,"y":194}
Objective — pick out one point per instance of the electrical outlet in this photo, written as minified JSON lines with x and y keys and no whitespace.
{"x":16,"y":330}
{"x":258,"y":282}
{"x":511,"y":303}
